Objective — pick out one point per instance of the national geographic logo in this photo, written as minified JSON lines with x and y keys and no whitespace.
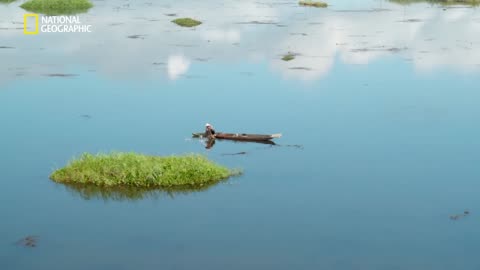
{"x":25,"y":24}
{"x":53,"y":24}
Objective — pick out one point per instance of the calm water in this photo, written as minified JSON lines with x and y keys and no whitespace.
{"x":382,"y":100}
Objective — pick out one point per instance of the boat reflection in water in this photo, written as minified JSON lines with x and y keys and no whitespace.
{"x":211,"y":142}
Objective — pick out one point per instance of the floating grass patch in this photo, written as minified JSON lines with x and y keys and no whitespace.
{"x":288,"y":57}
{"x":7,"y":1}
{"x":311,"y":3}
{"x":187,"y":22}
{"x":57,"y":7}
{"x":439,"y":2}
{"x":137,"y":170}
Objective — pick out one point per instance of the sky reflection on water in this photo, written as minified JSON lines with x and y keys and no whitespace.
{"x":428,"y":37}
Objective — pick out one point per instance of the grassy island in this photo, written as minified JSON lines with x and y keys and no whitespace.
{"x":7,"y":1}
{"x":142,"y":171}
{"x":312,"y":3}
{"x":288,"y":57}
{"x":57,"y":7}
{"x":187,"y":22}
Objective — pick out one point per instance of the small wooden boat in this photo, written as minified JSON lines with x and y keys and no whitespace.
{"x":240,"y":136}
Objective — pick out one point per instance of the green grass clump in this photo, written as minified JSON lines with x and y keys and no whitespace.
{"x":7,"y":1}
{"x":312,"y":3}
{"x":57,"y":7}
{"x":187,"y":22}
{"x":439,"y":2}
{"x":288,"y":57}
{"x":137,"y":170}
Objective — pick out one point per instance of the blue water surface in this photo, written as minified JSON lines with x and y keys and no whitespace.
{"x":375,"y":157}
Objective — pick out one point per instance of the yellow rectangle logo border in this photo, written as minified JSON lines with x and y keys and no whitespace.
{"x":25,"y":16}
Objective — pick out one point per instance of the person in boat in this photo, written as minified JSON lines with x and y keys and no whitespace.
{"x":209,"y":131}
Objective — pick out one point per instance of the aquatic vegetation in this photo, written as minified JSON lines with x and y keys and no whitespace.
{"x":7,"y":1}
{"x":61,"y":75}
{"x":411,"y":21}
{"x":312,"y":3}
{"x":29,"y":241}
{"x":136,"y":36}
{"x":57,"y":7}
{"x":298,"y":146}
{"x":234,"y":154}
{"x":379,"y":49}
{"x":459,"y":216}
{"x":440,"y":2}
{"x":288,"y":57}
{"x":186,"y":22}
{"x":301,"y":68}
{"x":137,"y":170}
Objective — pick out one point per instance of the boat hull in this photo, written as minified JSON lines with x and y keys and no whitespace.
{"x":241,"y":136}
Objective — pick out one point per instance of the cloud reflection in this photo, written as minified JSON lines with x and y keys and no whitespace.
{"x":427,"y":37}
{"x":177,"y":65}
